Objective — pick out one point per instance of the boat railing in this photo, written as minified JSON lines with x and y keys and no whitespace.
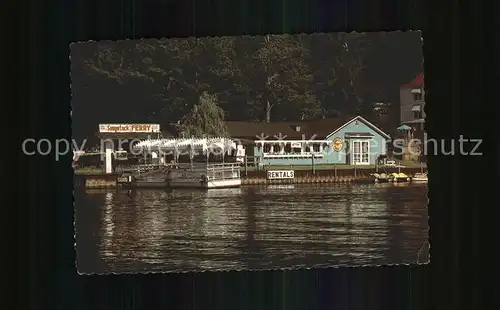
{"x":213,"y":171}
{"x":223,"y":166}
{"x":223,"y":171}
{"x":141,"y":168}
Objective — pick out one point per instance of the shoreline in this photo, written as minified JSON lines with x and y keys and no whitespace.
{"x":363,"y":175}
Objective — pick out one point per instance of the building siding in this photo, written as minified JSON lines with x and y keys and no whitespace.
{"x":377,"y":146}
{"x":406,"y":104}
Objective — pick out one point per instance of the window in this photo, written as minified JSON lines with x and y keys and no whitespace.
{"x":417,"y":111}
{"x":356,"y":153}
{"x":360,"y":152}
{"x":364,"y":152}
{"x":417,"y":96}
{"x":288,"y":148}
{"x":266,"y":148}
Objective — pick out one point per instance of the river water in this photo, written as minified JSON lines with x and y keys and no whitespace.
{"x":285,"y":226}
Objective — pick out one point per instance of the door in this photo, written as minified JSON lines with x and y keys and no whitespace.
{"x":360,"y":152}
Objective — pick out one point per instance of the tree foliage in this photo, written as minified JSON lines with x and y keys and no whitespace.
{"x":287,"y":75}
{"x":280,"y":77}
{"x":206,"y":119}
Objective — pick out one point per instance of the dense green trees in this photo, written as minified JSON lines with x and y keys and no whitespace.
{"x":276,"y":77}
{"x":206,"y":119}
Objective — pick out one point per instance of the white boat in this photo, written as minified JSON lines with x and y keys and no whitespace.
{"x":205,"y":175}
{"x":420,"y":177}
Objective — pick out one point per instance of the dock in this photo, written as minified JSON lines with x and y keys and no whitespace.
{"x":364,"y":176}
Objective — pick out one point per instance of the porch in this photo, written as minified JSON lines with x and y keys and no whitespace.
{"x":291,"y":149}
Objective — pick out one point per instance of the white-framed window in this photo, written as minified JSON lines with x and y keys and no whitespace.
{"x":360,"y":152}
{"x":417,"y":111}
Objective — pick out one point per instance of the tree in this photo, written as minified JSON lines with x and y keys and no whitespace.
{"x":176,"y":66}
{"x":272,"y":72}
{"x":287,"y":74}
{"x":286,"y":77}
{"x":338,"y":62}
{"x":206,"y":119}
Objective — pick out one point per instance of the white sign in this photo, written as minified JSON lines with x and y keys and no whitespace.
{"x":240,"y":154}
{"x":126,"y":128}
{"x":280,"y":174}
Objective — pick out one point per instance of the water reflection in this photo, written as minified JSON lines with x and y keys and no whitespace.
{"x":252,"y":227}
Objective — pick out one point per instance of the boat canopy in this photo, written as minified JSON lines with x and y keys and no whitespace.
{"x":183,"y":145}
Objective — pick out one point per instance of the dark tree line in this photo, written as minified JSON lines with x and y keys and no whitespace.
{"x":278,"y":77}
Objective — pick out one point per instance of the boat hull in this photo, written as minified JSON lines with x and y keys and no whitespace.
{"x":419,"y":180}
{"x":148,"y":184}
{"x":179,"y":183}
{"x":202,"y":176}
{"x":403,"y":179}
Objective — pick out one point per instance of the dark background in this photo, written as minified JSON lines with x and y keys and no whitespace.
{"x":462,"y":216}
{"x":392,"y":60}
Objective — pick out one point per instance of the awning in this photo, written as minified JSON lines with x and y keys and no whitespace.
{"x":403,"y":128}
{"x":417,"y":121}
{"x":358,"y":135}
{"x":416,"y":108}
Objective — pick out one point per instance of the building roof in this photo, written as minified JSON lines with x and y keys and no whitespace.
{"x":367,"y":123}
{"x":286,"y":130}
{"x":418,"y":81}
{"x":416,"y":121}
{"x":317,"y":129}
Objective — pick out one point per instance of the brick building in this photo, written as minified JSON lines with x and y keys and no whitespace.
{"x":412,"y":102}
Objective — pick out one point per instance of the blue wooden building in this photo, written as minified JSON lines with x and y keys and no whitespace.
{"x":327,"y":141}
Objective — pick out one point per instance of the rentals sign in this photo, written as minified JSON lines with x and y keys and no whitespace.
{"x":126,"y":128}
{"x":280,"y":174}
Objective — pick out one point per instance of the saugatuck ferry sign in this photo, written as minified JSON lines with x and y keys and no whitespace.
{"x":280,"y":174}
{"x":126,"y":128}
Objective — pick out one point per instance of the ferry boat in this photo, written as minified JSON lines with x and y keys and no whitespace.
{"x":223,"y":175}
{"x":209,"y":171}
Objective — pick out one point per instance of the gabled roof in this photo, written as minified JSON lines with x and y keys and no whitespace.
{"x":367,"y":123}
{"x":307,"y":129}
{"x":418,"y":81}
{"x":317,"y":129}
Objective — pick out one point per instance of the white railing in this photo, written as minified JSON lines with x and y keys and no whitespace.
{"x":302,"y":142}
{"x":304,"y":155}
{"x":223,"y":174}
{"x":185,"y":144}
{"x":223,"y":166}
{"x":213,"y":172}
